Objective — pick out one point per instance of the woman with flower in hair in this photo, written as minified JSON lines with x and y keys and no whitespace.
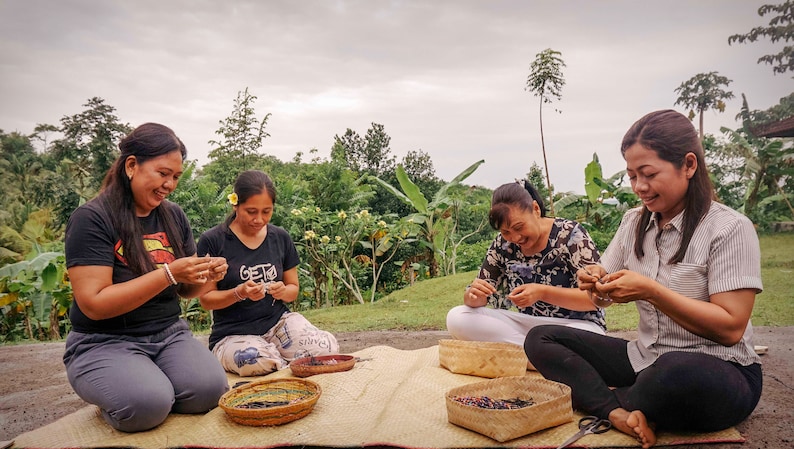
{"x":253,"y":331}
{"x":531,"y":265}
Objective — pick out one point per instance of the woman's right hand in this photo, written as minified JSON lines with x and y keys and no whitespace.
{"x":477,"y":293}
{"x":254,"y":291}
{"x":191,"y":269}
{"x":587,"y":278}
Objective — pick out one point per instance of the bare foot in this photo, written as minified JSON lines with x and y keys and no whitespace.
{"x":634,"y":424}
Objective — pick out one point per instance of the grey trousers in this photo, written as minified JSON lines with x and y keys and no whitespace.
{"x":137,"y":381}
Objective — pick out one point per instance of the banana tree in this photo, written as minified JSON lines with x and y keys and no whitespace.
{"x":38,"y":290}
{"x":434,"y":218}
{"x":768,"y":165}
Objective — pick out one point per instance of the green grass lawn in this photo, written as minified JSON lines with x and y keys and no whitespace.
{"x":424,"y":306}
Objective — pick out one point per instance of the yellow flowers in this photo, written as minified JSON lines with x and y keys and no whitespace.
{"x":325,"y":239}
{"x":309,"y":235}
{"x":342,"y":215}
{"x":296,"y":212}
{"x":232,"y":198}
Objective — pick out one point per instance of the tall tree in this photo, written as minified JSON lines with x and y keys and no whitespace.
{"x":781,"y":28}
{"x":241,"y":138}
{"x":89,"y":144}
{"x":370,"y":155}
{"x":546,"y":81}
{"x":703,"y":92}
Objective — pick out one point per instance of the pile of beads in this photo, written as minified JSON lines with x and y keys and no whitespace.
{"x":493,"y":404}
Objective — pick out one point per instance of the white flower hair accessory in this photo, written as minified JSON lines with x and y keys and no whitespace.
{"x":232,"y":198}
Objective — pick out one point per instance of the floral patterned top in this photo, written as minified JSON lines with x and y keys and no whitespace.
{"x":569,"y":249}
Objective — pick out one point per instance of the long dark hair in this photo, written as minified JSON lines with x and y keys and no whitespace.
{"x":145,"y":142}
{"x":248,"y":184}
{"x":672,"y":136}
{"x":519,"y":194}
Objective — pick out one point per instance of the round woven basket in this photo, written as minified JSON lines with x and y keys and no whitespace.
{"x":309,"y":366}
{"x":270,"y":402}
{"x":482,"y":358}
{"x":552,"y":406}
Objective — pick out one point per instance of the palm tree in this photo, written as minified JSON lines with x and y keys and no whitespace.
{"x":703,"y":92}
{"x":545,"y":81}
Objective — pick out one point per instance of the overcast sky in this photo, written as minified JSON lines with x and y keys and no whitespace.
{"x":444,"y":77}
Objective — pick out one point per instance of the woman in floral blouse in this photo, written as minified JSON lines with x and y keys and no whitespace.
{"x":532,"y":265}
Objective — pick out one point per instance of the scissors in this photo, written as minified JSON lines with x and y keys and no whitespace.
{"x":588,"y":425}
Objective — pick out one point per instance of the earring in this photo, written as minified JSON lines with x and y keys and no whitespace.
{"x":129,"y":175}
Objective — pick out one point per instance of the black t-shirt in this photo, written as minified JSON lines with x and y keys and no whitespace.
{"x":92,"y":240}
{"x":267,"y":263}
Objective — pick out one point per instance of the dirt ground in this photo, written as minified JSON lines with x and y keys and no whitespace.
{"x":34,"y":390}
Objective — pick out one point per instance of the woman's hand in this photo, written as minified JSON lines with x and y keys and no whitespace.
{"x":196,"y":270}
{"x":588,"y":279}
{"x":477,"y":293}
{"x":278,"y":290}
{"x":217,"y":269}
{"x":252,"y":290}
{"x":624,"y":286}
{"x":588,"y":276}
{"x":525,"y":295}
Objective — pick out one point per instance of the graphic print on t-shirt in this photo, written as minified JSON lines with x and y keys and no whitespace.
{"x":156,"y":244}
{"x":260,"y":273}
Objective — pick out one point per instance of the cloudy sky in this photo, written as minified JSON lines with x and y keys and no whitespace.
{"x":444,"y":77}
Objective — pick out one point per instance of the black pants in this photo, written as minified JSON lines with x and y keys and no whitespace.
{"x":680,"y":391}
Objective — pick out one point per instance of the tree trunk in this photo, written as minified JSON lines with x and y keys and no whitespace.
{"x":701,"y":125}
{"x":545,"y":162}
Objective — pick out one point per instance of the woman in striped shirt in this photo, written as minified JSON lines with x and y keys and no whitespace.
{"x":692,"y":268}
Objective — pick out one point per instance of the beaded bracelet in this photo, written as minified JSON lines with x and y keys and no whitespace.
{"x":169,"y":275}
{"x":237,"y":295}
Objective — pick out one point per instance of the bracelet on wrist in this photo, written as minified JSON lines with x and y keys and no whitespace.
{"x":237,"y":296}
{"x":169,"y":275}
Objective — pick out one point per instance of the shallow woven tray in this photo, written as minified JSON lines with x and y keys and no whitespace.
{"x":309,"y":366}
{"x":482,"y":358}
{"x":300,"y":394}
{"x":552,"y":407}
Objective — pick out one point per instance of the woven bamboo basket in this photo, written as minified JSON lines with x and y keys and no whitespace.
{"x":552,"y":407}
{"x":309,"y":366}
{"x":279,"y":400}
{"x":482,"y":358}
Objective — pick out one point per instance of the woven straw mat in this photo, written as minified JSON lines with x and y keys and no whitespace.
{"x":397,"y":399}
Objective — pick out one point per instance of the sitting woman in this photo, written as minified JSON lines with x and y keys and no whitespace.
{"x":692,"y":268}
{"x":253,"y":331}
{"x":130,"y":254}
{"x":532,"y":265}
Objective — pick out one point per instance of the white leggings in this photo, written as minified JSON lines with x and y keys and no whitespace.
{"x":499,"y":325}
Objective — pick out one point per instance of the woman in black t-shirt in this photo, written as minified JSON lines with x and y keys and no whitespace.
{"x":253,"y":331}
{"x":130,"y":255}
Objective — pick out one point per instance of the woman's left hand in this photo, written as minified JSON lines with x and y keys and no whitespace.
{"x":277,"y":289}
{"x":525,"y":295}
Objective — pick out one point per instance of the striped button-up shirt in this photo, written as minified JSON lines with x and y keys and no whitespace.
{"x":723,"y":255}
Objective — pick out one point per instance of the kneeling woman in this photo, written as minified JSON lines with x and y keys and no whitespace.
{"x":253,"y":331}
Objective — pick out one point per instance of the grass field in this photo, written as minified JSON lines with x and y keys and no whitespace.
{"x":424,"y":305}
